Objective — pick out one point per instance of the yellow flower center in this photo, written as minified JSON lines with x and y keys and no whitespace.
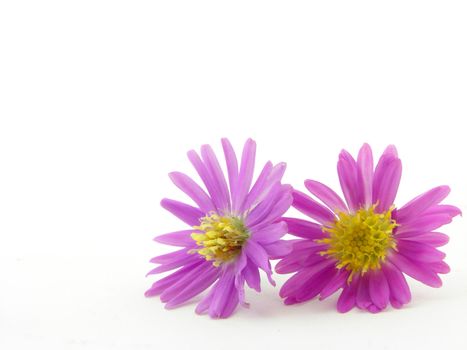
{"x":222,"y":239}
{"x":360,"y":241}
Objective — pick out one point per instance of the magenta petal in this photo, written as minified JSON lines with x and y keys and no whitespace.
{"x":232,"y":164}
{"x":251,"y":274}
{"x":443,"y":209}
{"x":379,"y":289}
{"x":245,"y":175}
{"x":304,"y":228}
{"x":425,"y":223}
{"x":270,"y":233}
{"x":363,"y":299}
{"x":203,"y":305}
{"x":335,"y":283}
{"x":419,"y":251}
{"x":278,"y":249}
{"x":192,"y":189}
{"x":225,"y":297}
{"x":435,"y":239}
{"x":188,"y":214}
{"x":217,"y":176}
{"x":386,"y":183}
{"x":347,"y":299}
{"x":398,"y":286}
{"x":365,"y":173}
{"x":325,"y":194}
{"x":178,"y":238}
{"x":348,"y":178}
{"x":259,"y":257}
{"x":416,"y":270}
{"x":421,"y":203}
{"x":439,"y":267}
{"x":311,"y":208}
{"x":260,"y":188}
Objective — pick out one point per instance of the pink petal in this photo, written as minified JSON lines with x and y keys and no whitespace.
{"x":421,"y":203}
{"x":188,"y":214}
{"x":435,"y":239}
{"x":191,"y":188}
{"x":425,"y":223}
{"x":259,"y":188}
{"x":379,"y":289}
{"x":311,"y":208}
{"x":365,"y":173}
{"x":325,"y":194}
{"x":347,"y":299}
{"x":251,"y":274}
{"x":386,"y":183}
{"x":231,"y":162}
{"x":334,"y":284}
{"x":245,"y":176}
{"x":348,"y":178}
{"x":270,"y":233}
{"x":278,"y":249}
{"x":259,"y":257}
{"x":398,"y":286}
{"x":178,"y":238}
{"x":419,"y":251}
{"x":304,"y":228}
{"x":415,"y":270}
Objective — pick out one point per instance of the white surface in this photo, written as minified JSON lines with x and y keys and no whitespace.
{"x":100,"y":100}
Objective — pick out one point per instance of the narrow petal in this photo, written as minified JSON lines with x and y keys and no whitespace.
{"x":386,"y":183}
{"x":259,"y":257}
{"x":217,"y":176}
{"x":225,"y":297}
{"x":425,"y":223}
{"x":259,"y":188}
{"x":347,"y":299}
{"x":251,"y":274}
{"x":170,"y":257}
{"x":314,"y":285}
{"x":182,"y":261}
{"x":348,"y":178}
{"x":435,"y":239}
{"x":398,"y":286}
{"x":326,"y":195}
{"x":278,"y":249}
{"x":335,"y":283}
{"x":419,"y":251}
{"x":188,"y":214}
{"x":363,"y":298}
{"x":415,"y":270}
{"x":191,"y":188}
{"x":443,"y":209}
{"x":178,"y":238}
{"x":231,"y":163}
{"x":365,"y":174}
{"x":270,"y":233}
{"x":423,"y":202}
{"x":304,"y":228}
{"x":439,"y":267}
{"x":311,"y":208}
{"x":379,"y":289}
{"x":245,"y":175}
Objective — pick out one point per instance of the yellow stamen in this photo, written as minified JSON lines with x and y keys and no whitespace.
{"x":360,"y":241}
{"x":222,"y":239}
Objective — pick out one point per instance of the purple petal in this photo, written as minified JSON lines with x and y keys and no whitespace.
{"x":245,"y":175}
{"x":439,"y":267}
{"x":347,"y":299}
{"x":398,"y":286}
{"x":425,"y":223}
{"x":178,"y":238}
{"x":325,"y":194}
{"x":258,"y":188}
{"x":232,"y":164}
{"x":334,"y":284}
{"x":419,"y":251}
{"x":435,"y":239}
{"x":311,"y":208}
{"x":160,"y":285}
{"x":379,"y":289}
{"x":348,"y":178}
{"x":207,"y":178}
{"x":185,"y":260}
{"x":278,"y":249}
{"x":191,"y":188}
{"x":198,"y":284}
{"x":443,"y":209}
{"x":203,"y":305}
{"x":421,"y":203}
{"x":365,"y":173}
{"x":225,"y":297}
{"x":217,"y":176}
{"x":188,"y":214}
{"x":415,"y":270}
{"x":279,"y":207}
{"x":313,"y":286}
{"x":251,"y":274}
{"x":386,"y":183}
{"x":303,"y":228}
{"x":170,"y":257}
{"x":270,"y":233}
{"x":363,"y":299}
{"x":259,"y":257}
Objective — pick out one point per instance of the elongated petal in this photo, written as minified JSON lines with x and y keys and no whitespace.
{"x":423,"y":202}
{"x":225,"y":297}
{"x":347,"y":299}
{"x":188,"y":214}
{"x":398,"y":286}
{"x":304,"y":228}
{"x":251,"y":274}
{"x":278,"y":249}
{"x":232,"y":164}
{"x":425,"y":223}
{"x":365,"y":174}
{"x":435,"y":239}
{"x":259,"y":257}
{"x":245,"y":175}
{"x":325,"y":194}
{"x":217,"y":176}
{"x":259,"y":188}
{"x":386,"y":183}
{"x":311,"y":208}
{"x":335,"y":283}
{"x":178,"y":238}
{"x":379,"y":289}
{"x":191,"y":188}
{"x":270,"y":233}
{"x":348,"y":178}
{"x":182,"y":261}
{"x":415,"y":270}
{"x":419,"y":251}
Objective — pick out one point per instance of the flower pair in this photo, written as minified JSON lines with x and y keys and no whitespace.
{"x":363,"y":246}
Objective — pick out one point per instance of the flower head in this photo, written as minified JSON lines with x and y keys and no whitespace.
{"x":365,"y":245}
{"x":235,"y":229}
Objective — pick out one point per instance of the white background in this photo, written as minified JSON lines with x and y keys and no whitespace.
{"x":100,"y":100}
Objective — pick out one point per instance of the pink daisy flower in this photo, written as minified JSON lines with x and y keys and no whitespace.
{"x":365,"y":245}
{"x":234,"y":230}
